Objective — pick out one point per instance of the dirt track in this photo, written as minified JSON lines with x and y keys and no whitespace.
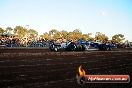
{"x":41,"y":68}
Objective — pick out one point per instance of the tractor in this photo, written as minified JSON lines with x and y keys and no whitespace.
{"x":68,"y":46}
{"x":80,"y":45}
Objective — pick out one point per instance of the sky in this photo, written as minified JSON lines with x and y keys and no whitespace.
{"x":109,"y":17}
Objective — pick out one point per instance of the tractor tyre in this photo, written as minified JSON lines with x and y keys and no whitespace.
{"x":71,"y":47}
{"x":83,"y":48}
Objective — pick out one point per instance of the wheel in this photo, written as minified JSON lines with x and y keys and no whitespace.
{"x":83,"y":47}
{"x":79,"y":47}
{"x":55,"y":49}
{"x":51,"y":47}
{"x":71,"y":47}
{"x":110,"y":48}
{"x":105,"y":48}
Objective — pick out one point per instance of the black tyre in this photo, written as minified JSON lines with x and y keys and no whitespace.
{"x":83,"y":48}
{"x":71,"y":47}
{"x":102,"y":47}
{"x":52,"y":47}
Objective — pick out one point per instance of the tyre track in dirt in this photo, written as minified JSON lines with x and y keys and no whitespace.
{"x":59,"y":70}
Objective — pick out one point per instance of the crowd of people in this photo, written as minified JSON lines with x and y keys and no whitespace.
{"x":16,"y":42}
{"x":25,"y":42}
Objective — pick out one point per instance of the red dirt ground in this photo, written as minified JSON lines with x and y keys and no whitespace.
{"x":41,"y":68}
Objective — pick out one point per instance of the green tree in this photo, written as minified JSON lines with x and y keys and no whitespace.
{"x":57,"y":35}
{"x":85,"y":37}
{"x":64,"y":34}
{"x":46,"y":36}
{"x":70,"y":36}
{"x":2,"y":30}
{"x":99,"y":36}
{"x":52,"y":33}
{"x":20,"y":31}
{"x":77,"y":31}
{"x":90,"y":37}
{"x":8,"y":30}
{"x":118,"y":38}
{"x":77,"y":34}
{"x":32,"y":33}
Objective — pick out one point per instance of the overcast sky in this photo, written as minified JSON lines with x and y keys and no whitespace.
{"x":90,"y":16}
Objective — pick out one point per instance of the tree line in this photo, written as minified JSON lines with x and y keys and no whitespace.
{"x":20,"y":32}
